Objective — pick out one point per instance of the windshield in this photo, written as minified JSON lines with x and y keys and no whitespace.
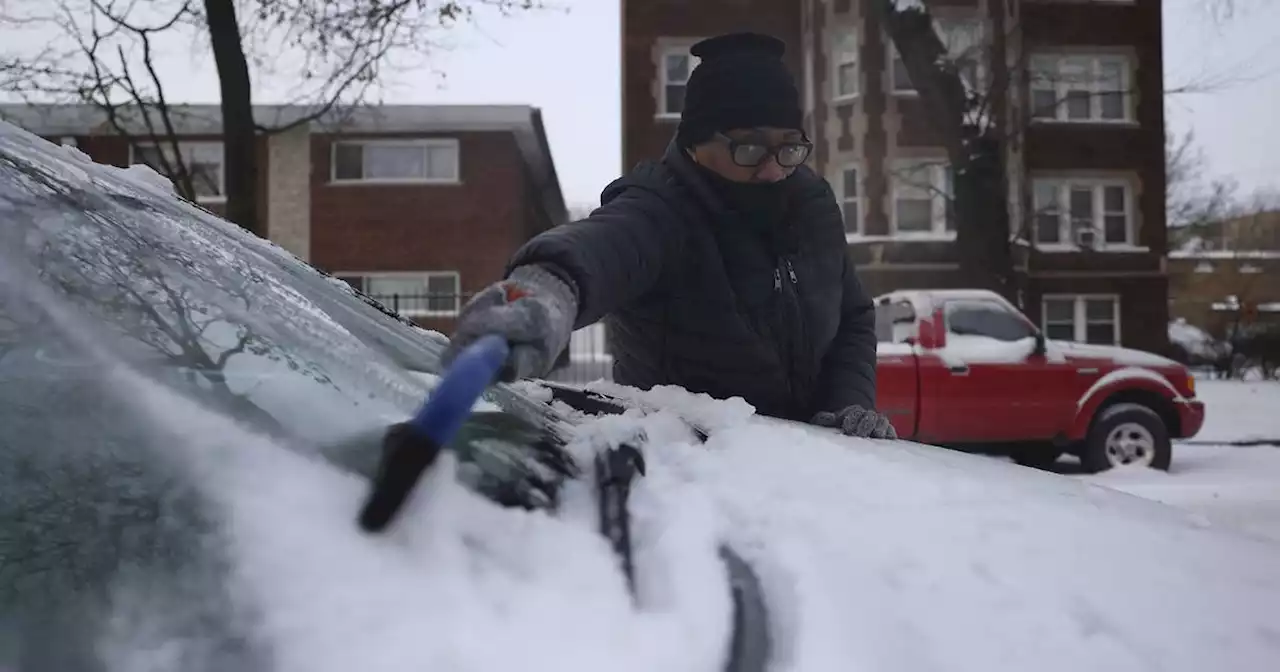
{"x":147,"y":350}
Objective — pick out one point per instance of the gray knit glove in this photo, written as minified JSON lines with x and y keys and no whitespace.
{"x":533,"y":309}
{"x":857,"y":421}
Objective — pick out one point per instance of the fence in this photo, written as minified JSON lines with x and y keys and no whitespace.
{"x":587,"y":358}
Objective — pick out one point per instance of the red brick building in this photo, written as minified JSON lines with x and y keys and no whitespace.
{"x":1083,"y":123}
{"x":421,"y":203}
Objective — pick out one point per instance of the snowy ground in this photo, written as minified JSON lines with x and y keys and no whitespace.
{"x":1232,"y":484}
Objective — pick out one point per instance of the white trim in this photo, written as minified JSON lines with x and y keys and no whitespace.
{"x":1063,"y":186}
{"x":1224,"y":254}
{"x":663,"y":53}
{"x":425,"y":143}
{"x":1079,"y":315}
{"x":425,"y":276}
{"x":1054,"y":62}
{"x":185,"y":147}
{"x":839,"y":36}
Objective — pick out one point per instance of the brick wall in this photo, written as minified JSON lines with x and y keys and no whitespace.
{"x":472,"y":227}
{"x":646,"y":22}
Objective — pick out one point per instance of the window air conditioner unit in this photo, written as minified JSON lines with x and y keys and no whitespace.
{"x":1087,"y":238}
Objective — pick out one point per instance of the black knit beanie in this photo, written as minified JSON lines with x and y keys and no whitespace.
{"x":741,"y":82}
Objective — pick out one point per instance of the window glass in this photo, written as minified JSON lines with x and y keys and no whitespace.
{"x":201,"y":161}
{"x":846,"y":60}
{"x":850,"y":200}
{"x":979,"y":318}
{"x":677,"y":66}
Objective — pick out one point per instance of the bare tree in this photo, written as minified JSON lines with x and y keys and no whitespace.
{"x":1193,"y":201}
{"x":968,"y":124}
{"x":331,"y":53}
{"x":981,"y":93}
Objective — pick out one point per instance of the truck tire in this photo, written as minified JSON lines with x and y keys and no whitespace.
{"x":1126,"y":434}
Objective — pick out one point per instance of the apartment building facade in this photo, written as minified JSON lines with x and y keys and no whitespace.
{"x":417,"y":205}
{"x":1227,"y":273}
{"x":1083,"y":138}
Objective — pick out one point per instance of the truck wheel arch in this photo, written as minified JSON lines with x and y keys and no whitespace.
{"x":1145,"y":388}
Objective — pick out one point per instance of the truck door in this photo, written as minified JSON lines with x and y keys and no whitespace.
{"x":991,"y":385}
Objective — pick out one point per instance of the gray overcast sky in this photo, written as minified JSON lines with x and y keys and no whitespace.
{"x":568,"y":63}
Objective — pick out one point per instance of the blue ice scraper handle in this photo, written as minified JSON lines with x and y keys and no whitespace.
{"x":409,"y":448}
{"x":450,"y":403}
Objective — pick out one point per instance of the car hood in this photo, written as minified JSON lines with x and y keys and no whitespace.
{"x":926,"y":558}
{"x":1113,"y":353}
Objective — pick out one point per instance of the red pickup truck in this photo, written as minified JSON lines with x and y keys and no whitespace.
{"x":966,"y":369}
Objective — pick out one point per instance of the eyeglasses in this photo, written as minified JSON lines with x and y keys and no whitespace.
{"x":752,"y":152}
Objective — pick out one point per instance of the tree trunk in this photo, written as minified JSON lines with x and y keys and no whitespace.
{"x":982,"y":219}
{"x":240,"y":157}
{"x":980,"y":190}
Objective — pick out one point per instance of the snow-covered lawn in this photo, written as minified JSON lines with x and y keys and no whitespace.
{"x":1235,"y":485}
{"x":1239,"y":411}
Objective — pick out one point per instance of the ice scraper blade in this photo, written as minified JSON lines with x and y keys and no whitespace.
{"x":411,"y":447}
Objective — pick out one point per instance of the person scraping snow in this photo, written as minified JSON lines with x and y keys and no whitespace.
{"x":721,"y":268}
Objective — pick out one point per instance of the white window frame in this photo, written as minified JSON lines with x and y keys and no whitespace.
{"x":664,"y":53}
{"x":426,"y":144}
{"x":837,"y":182}
{"x":844,"y":52}
{"x":940,"y":189}
{"x":186,"y":148}
{"x":425,"y":276}
{"x":1055,"y":62}
{"x":946,"y":28}
{"x":1079,"y":316}
{"x":1066,"y":232}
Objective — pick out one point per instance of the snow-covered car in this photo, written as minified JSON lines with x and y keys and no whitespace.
{"x":191,"y":418}
{"x":965,"y":367}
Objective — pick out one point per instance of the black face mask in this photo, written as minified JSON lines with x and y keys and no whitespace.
{"x":762,"y":205}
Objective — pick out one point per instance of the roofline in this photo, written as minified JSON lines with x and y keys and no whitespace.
{"x":523,"y":121}
{"x":553,"y":195}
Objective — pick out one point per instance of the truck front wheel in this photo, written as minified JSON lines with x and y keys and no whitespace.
{"x":1126,"y":435}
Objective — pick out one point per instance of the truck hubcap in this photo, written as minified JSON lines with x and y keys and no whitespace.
{"x":1130,"y":443}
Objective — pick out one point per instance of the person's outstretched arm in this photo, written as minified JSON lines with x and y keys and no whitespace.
{"x":611,"y":257}
{"x":569,"y":277}
{"x":848,"y":396}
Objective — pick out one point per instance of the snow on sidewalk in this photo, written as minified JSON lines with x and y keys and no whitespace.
{"x":1239,"y":411}
{"x":1237,"y":486}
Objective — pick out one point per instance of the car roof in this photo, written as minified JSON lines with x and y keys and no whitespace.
{"x":923,"y":300}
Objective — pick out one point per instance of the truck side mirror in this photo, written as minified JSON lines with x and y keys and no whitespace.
{"x":1040,"y":347}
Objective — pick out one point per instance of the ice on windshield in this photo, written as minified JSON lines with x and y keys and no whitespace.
{"x":114,"y":297}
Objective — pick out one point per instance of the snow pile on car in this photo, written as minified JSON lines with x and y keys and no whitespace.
{"x":874,"y":555}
